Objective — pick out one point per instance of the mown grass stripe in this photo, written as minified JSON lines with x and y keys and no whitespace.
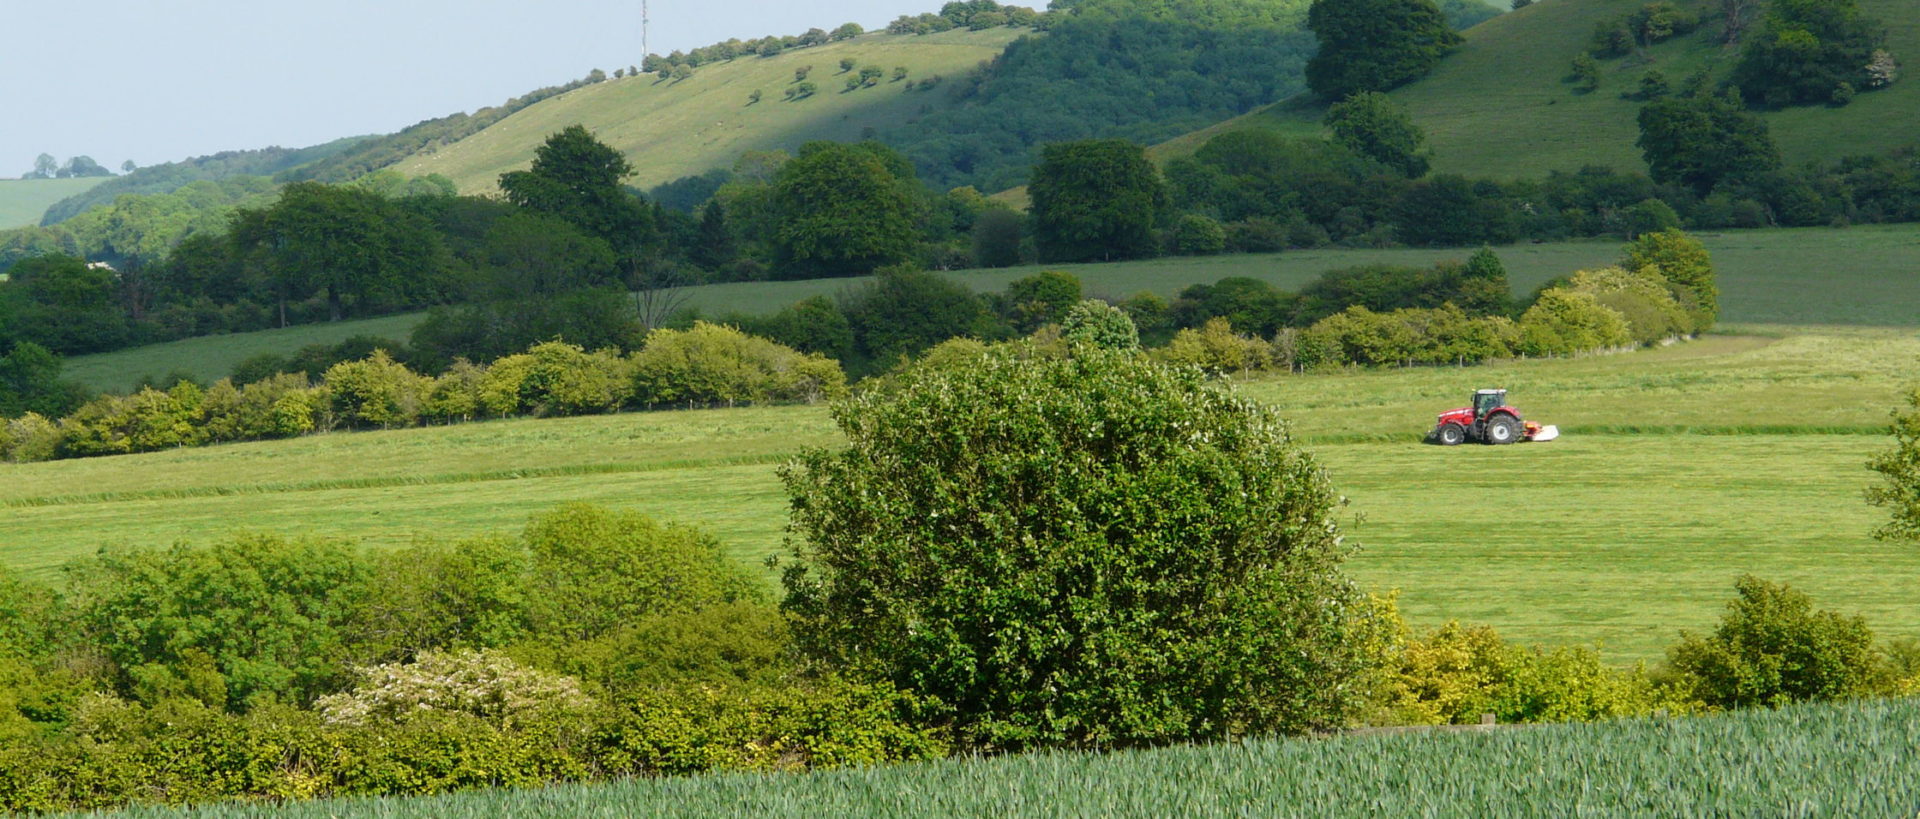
{"x":568,"y":471}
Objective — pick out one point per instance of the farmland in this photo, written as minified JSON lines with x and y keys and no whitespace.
{"x":24,"y":201}
{"x":1681,"y":468}
{"x":1816,"y":276}
{"x":1825,"y":760}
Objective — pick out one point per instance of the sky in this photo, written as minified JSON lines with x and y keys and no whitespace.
{"x":160,"y":80}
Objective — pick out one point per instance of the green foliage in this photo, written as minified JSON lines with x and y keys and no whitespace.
{"x":443,"y":596}
{"x":1375,"y":45}
{"x":63,"y":304}
{"x":1169,"y":573}
{"x":1642,"y":298}
{"x":1216,"y":349}
{"x":30,"y":382}
{"x":1373,"y":125}
{"x":556,"y":378}
{"x":1684,"y":262}
{"x":1806,"y":51}
{"x":355,"y":248}
{"x":741,"y":644}
{"x":996,"y":238}
{"x":1772,"y":648}
{"x":142,"y":422}
{"x":902,"y":313}
{"x":1095,"y":322}
{"x":1042,"y":298}
{"x":1899,"y":468}
{"x":1095,"y":199}
{"x":248,"y":621}
{"x":843,"y":210}
{"x":1443,"y":335}
{"x":594,"y":570}
{"x":1565,"y":322}
{"x":712,"y":364}
{"x":376,"y":391}
{"x":1701,"y":141}
{"x":577,"y":178}
{"x":1198,"y":235}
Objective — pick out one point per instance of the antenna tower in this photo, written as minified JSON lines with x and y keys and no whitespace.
{"x":643,"y":29}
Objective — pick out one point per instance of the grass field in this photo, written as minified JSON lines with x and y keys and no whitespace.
{"x":1500,"y":106}
{"x":1807,"y":761}
{"x":1868,"y":275}
{"x":1681,"y":468}
{"x":673,"y":129}
{"x":24,"y":201}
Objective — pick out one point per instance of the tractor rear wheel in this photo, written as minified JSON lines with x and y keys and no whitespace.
{"x":1450,"y":435}
{"x":1502,"y":429}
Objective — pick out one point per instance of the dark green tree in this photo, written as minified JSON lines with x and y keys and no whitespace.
{"x":1088,"y":551}
{"x":713,"y":244}
{"x":350,"y":245}
{"x":1095,"y":199}
{"x":844,"y":210}
{"x":577,"y":178}
{"x":30,"y":382}
{"x":1773,"y":648}
{"x":996,"y":237}
{"x":64,"y":304}
{"x":1373,"y":125}
{"x":1699,"y":142}
{"x":1805,"y":51}
{"x":1041,"y":298}
{"x":1899,"y":468}
{"x":1375,"y":45}
{"x":902,"y":314}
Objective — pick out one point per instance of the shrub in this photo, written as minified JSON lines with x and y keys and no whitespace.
{"x":1565,"y":322}
{"x":595,"y":569}
{"x":1199,"y":235}
{"x":375,"y":391}
{"x":484,"y":684}
{"x":457,"y":395}
{"x":1042,"y":298}
{"x":433,"y":596}
{"x":712,"y":364}
{"x":556,"y":378}
{"x":741,"y":644}
{"x":1216,"y":349}
{"x":1772,"y":648}
{"x":1100,"y":324}
{"x":31,"y":437}
{"x":278,"y":406}
{"x":146,"y":421}
{"x":1685,"y":264}
{"x":1084,"y":551}
{"x":1641,"y":297}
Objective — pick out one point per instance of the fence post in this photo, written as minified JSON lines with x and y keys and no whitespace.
{"x":1487,"y":720}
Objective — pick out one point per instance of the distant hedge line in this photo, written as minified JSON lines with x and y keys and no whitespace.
{"x":707,"y":365}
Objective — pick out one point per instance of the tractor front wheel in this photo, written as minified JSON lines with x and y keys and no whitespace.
{"x":1450,"y":435}
{"x":1502,"y":429}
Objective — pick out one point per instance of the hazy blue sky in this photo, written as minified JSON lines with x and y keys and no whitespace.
{"x":159,"y":80}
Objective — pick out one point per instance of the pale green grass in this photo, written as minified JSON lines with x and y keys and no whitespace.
{"x":1499,"y":107}
{"x":1853,"y":759}
{"x":1680,"y":469}
{"x":673,"y":129}
{"x":1867,"y":275}
{"x":24,"y":201}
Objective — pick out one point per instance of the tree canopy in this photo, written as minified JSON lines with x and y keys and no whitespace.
{"x":1700,"y":141}
{"x":1375,"y":45}
{"x":843,"y":210}
{"x":1095,"y":199}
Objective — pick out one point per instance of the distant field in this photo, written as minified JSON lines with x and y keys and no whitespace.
{"x":1852,"y":759}
{"x":24,"y":201}
{"x":1867,"y":275}
{"x":1499,"y":107}
{"x":673,"y":129}
{"x":1680,"y":469}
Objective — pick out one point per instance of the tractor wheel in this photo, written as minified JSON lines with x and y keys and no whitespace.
{"x":1450,"y":435}
{"x":1502,"y":430}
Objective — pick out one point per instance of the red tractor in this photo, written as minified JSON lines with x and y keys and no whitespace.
{"x":1489,"y":421}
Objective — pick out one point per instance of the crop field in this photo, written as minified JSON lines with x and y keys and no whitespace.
{"x":1866,"y":275}
{"x":1680,"y":469}
{"x":1827,"y":760}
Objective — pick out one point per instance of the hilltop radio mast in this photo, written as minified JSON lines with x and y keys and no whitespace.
{"x":643,"y":29}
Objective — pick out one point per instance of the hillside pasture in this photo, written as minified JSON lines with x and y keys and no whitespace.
{"x":1867,"y":275}
{"x":1680,"y":469}
{"x":671,"y":129}
{"x":24,"y":201}
{"x":1502,"y":105}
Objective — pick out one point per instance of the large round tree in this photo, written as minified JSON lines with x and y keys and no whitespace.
{"x":1095,"y":200}
{"x":1088,"y":551}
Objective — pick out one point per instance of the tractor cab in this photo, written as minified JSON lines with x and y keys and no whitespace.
{"x":1485,"y":401}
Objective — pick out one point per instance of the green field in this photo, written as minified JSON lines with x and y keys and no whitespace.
{"x":1499,"y":107}
{"x":24,"y":201}
{"x":1868,"y":275}
{"x":1806,"y":761}
{"x":1681,"y":468}
{"x":673,"y":129}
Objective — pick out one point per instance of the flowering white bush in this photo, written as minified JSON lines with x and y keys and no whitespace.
{"x":485,"y":684}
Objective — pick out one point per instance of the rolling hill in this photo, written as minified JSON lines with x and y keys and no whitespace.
{"x":1501,"y":106}
{"x":671,"y":129}
{"x":23,"y":201}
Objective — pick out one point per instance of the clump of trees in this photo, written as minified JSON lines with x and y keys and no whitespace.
{"x":1375,"y":45}
{"x":1813,"y":52}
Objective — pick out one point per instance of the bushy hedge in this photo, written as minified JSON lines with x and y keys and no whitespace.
{"x":707,"y":365}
